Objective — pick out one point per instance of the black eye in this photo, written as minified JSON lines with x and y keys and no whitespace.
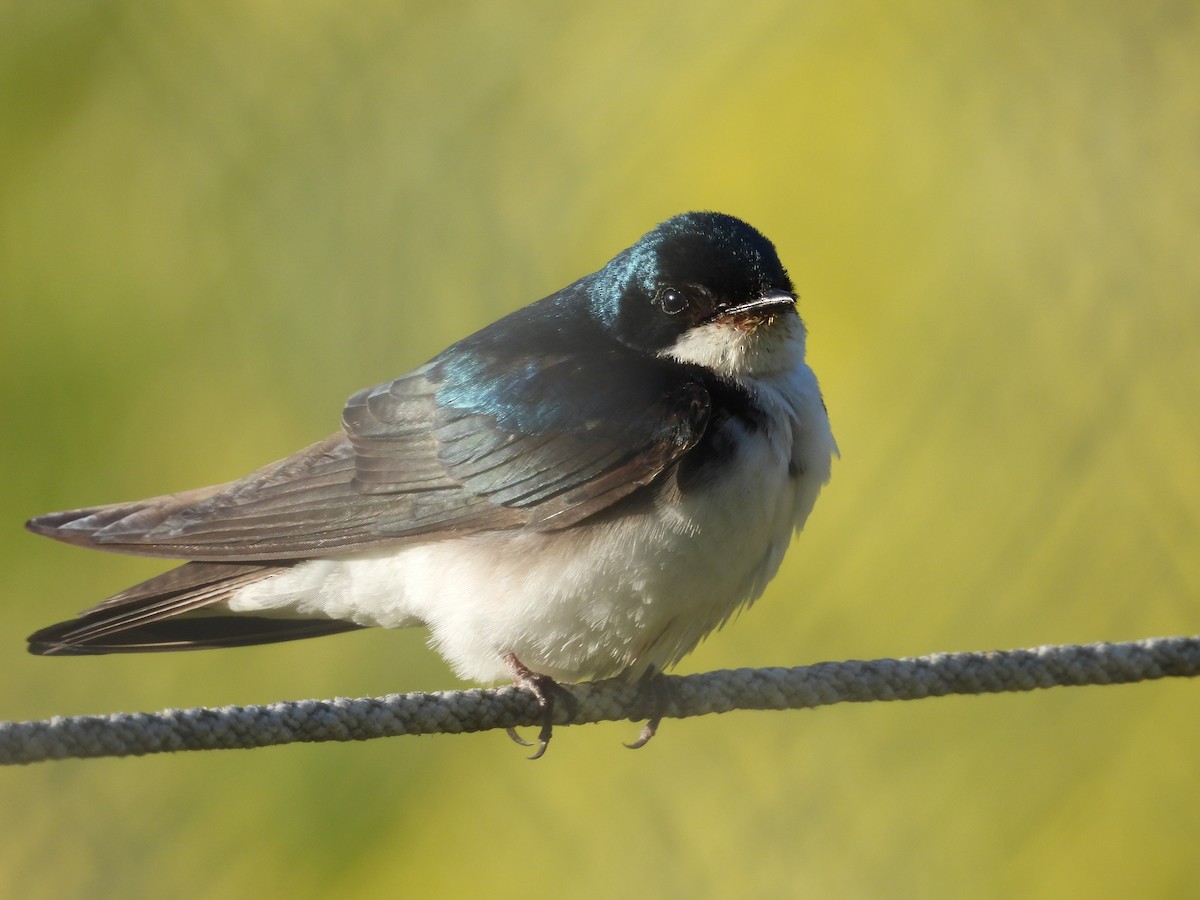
{"x":672,"y":301}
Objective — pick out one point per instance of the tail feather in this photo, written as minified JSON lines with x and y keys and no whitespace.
{"x":174,"y":611}
{"x":198,"y":633}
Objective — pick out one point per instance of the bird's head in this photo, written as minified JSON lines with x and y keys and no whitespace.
{"x":707,"y":289}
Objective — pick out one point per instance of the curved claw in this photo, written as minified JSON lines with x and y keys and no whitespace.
{"x":656,"y":691}
{"x":517,"y":739}
{"x":542,"y":744}
{"x":545,"y":689}
{"x":648,"y":731}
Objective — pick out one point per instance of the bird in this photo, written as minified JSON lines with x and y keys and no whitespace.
{"x":584,"y":489}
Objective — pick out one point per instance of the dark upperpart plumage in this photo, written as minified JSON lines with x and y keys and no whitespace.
{"x":539,"y":421}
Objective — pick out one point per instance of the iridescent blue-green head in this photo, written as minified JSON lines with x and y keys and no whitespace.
{"x":703,"y":288}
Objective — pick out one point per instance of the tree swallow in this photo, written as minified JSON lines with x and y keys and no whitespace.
{"x":585,"y":488}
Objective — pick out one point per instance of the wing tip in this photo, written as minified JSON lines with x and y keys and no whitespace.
{"x":48,"y":524}
{"x":79,"y":526}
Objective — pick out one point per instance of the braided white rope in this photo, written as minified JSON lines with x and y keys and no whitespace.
{"x":455,"y":712}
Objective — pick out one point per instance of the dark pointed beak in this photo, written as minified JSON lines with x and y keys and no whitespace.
{"x":769,"y":304}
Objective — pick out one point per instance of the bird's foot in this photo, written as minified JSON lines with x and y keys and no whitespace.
{"x":657,"y":695}
{"x":546,"y":690}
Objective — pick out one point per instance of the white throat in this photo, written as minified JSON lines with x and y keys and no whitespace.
{"x":735,"y":352}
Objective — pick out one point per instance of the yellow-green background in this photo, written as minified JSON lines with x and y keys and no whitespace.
{"x":219,"y":219}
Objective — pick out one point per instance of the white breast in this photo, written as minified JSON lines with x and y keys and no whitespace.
{"x":604,"y":597}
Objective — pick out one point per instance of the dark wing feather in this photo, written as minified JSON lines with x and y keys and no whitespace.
{"x":504,"y":430}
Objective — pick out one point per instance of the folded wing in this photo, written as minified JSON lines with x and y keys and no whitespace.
{"x":448,"y":449}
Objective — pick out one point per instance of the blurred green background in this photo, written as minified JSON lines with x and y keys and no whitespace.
{"x":218,"y":220}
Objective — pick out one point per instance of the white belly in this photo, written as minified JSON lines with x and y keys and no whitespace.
{"x":611,"y":595}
